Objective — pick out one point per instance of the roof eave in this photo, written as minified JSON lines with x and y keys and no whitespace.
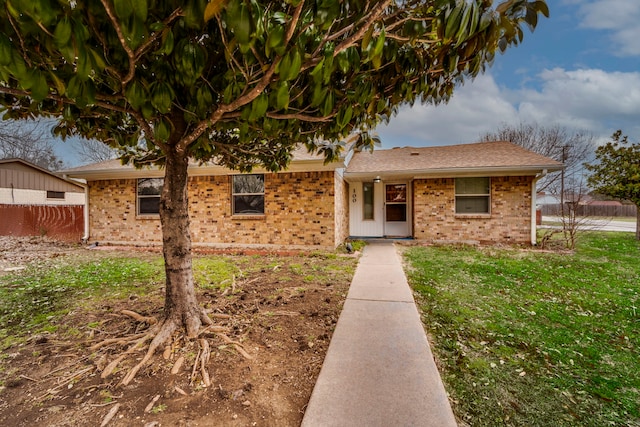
{"x":128,"y":172}
{"x":452,"y":172}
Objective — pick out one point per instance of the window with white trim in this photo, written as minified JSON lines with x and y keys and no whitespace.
{"x":247,"y":194}
{"x":473,"y":195}
{"x":149,"y":190}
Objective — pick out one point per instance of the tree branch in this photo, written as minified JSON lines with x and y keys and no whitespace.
{"x":123,"y":43}
{"x":375,"y":14}
{"x":155,"y":36}
{"x":246,"y":97}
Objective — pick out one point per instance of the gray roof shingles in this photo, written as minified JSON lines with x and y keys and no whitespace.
{"x":498,"y":154}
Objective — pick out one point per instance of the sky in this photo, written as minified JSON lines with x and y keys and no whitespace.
{"x":580,"y":69}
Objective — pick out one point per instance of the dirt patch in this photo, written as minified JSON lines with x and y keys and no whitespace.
{"x":285,"y":326}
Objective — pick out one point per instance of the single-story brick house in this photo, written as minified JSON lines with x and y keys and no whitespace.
{"x":472,"y":192}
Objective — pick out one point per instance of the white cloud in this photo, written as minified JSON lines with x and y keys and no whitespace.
{"x":585,"y":99}
{"x":620,"y":17}
{"x":475,"y":108}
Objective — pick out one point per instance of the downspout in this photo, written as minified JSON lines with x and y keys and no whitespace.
{"x":85,"y":238}
{"x":534,"y":229}
{"x":85,"y":208}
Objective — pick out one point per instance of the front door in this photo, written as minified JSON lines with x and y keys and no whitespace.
{"x":396,"y":210}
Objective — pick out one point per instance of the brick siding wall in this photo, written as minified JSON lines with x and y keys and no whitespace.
{"x":509,"y":222}
{"x":299,"y":211}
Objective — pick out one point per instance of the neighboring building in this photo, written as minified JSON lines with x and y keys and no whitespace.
{"x":34,"y":201}
{"x":481,"y":192}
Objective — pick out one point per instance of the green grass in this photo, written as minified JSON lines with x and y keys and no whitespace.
{"x":30,"y":301}
{"x":33,"y":300}
{"x":531,"y":338}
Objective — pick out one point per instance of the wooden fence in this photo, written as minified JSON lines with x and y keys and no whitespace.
{"x":59,"y":222}
{"x":595,"y":210}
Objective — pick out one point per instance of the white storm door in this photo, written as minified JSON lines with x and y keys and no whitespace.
{"x":396,"y":210}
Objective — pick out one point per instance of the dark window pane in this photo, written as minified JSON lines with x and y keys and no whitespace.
{"x":55,"y":194}
{"x":472,"y":185}
{"x":367,"y":189}
{"x":248,"y":184}
{"x":247,"y":205}
{"x":472,"y":205}
{"x":397,"y":212}
{"x":396,"y":193}
{"x":150,"y":186}
{"x":148,"y":205}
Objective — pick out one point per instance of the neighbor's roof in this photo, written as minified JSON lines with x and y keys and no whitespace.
{"x":490,"y":158}
{"x":301,"y":160}
{"x":27,"y":176}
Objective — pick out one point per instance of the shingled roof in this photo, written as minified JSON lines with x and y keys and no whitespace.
{"x":488,"y":157}
{"x":301,"y":160}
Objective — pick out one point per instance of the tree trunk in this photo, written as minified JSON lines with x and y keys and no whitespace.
{"x":181,"y":306}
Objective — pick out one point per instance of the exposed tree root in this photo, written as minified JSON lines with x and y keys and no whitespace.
{"x":133,"y":348}
{"x":165,"y":332}
{"x":178,"y":365}
{"x":204,"y":359}
{"x":112,"y":413}
{"x":236,"y":345}
{"x":150,"y":405}
{"x":121,"y":340}
{"x":146,"y":319}
{"x":160,"y":335}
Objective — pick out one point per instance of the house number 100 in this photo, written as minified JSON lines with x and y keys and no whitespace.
{"x":354,"y":198}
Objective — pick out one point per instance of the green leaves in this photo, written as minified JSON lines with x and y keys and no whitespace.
{"x":238,"y":20}
{"x":126,"y":8}
{"x":136,"y":95}
{"x":189,"y":60}
{"x":213,"y":9}
{"x":282,"y":96}
{"x":5,"y":50}
{"x":62,"y":33}
{"x":616,"y":172}
{"x":462,"y":21}
{"x":289,"y":67}
{"x":162,"y":95}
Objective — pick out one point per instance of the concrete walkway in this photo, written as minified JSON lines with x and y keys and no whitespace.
{"x":379,"y":370}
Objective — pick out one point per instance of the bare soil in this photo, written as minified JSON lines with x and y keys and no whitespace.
{"x":54,"y":379}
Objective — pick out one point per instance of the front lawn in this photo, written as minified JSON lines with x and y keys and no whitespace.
{"x":532,"y":338}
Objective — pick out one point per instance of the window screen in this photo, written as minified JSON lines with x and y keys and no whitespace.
{"x":248,"y":194}
{"x":473,"y":195}
{"x":149,"y":190}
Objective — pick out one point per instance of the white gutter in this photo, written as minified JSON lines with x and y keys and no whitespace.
{"x":534,"y":193}
{"x":85,"y":208}
{"x":85,"y":238}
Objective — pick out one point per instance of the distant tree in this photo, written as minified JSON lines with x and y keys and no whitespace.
{"x":616,"y":171}
{"x":29,"y":140}
{"x":94,"y":151}
{"x":571,"y":147}
{"x":239,"y":82}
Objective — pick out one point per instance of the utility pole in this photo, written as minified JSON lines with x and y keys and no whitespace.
{"x":565,"y":155}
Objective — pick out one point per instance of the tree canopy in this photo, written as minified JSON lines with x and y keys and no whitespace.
{"x":616,"y":171}
{"x":237,"y":80}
